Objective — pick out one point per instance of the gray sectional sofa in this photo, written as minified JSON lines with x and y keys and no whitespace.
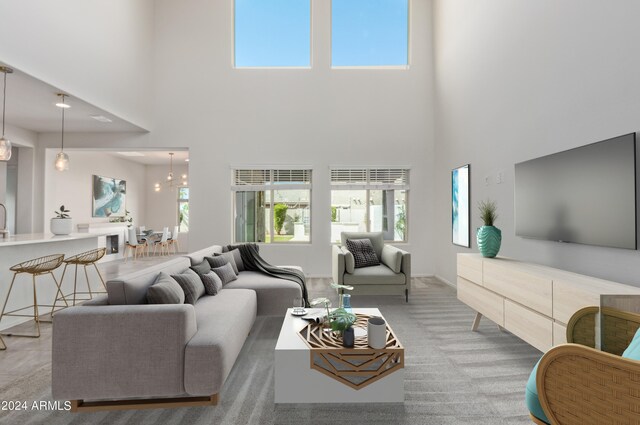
{"x":117,"y":347}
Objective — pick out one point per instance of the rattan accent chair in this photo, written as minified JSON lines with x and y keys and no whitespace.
{"x":579,"y":385}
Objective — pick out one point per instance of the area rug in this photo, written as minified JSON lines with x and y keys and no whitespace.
{"x":453,"y":375}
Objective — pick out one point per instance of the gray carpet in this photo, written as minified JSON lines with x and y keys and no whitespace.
{"x":453,"y":376}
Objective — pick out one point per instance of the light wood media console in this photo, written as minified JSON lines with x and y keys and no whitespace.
{"x":533,"y":302}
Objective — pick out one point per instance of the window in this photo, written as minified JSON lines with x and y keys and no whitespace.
{"x":272,"y":206}
{"x":370,"y":200}
{"x":272,"y":33}
{"x":369,"y":33}
{"x":183,"y":209}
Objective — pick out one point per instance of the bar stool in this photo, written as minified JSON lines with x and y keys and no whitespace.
{"x":88,"y":258}
{"x":36,"y":267}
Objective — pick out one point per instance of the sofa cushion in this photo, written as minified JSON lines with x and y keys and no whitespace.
{"x":392,"y":258}
{"x":225,"y":273}
{"x":375,"y":275}
{"x":132,"y":288}
{"x":165,"y":290}
{"x":217,"y":261}
{"x":363,"y":253}
{"x":231,"y":257}
{"x":224,"y":321}
{"x":212,"y":283}
{"x":191,"y":284}
{"x":274,"y":295}
{"x":531,"y":396}
{"x":376,"y":238}
{"x":197,"y":256}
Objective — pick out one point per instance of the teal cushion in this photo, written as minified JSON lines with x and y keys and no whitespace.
{"x":531,"y":396}
{"x":633,"y":350}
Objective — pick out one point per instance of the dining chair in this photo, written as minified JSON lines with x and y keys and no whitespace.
{"x":163,"y":243}
{"x":173,"y":240}
{"x":133,"y":245}
{"x":143,"y":238}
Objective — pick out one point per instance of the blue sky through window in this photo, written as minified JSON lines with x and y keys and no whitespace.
{"x":369,"y":32}
{"x":272,"y":33}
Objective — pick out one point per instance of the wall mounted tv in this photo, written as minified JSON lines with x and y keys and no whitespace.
{"x":585,"y":195}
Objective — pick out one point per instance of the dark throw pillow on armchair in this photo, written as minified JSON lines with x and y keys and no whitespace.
{"x":363,"y":253}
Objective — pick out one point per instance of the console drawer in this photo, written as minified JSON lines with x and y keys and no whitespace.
{"x":568,"y":298}
{"x":470,"y":268}
{"x":530,"y":326}
{"x":485,"y":302}
{"x":559,"y":334}
{"x":519,"y":285}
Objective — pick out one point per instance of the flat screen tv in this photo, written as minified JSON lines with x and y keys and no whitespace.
{"x":585,"y":195}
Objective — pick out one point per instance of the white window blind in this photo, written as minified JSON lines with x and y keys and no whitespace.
{"x":370,"y":178}
{"x":257,"y":179}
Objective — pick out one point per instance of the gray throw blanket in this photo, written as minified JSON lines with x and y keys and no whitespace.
{"x":254,"y":262}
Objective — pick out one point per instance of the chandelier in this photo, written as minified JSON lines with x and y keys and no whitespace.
{"x":171,"y":180}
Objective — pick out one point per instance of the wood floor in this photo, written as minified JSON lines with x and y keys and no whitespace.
{"x":452,"y":375}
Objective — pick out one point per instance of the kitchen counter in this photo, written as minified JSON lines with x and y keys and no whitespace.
{"x":34,"y":238}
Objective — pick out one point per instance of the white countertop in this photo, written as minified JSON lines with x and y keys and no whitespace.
{"x":36,"y":238}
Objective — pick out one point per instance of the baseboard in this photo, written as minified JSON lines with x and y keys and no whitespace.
{"x":453,"y":285}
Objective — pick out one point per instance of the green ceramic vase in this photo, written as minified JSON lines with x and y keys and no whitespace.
{"x":489,"y":239}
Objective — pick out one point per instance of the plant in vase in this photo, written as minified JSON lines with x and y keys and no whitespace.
{"x":488,"y":236}
{"x":62,"y":223}
{"x":342,"y":321}
{"x":341,"y":295}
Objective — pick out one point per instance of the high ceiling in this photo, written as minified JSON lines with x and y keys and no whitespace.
{"x":31,"y":105}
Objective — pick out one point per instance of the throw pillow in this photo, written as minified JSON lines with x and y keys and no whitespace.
{"x":232,"y":259}
{"x":363,"y":253}
{"x":212,"y":283}
{"x":191,"y":284}
{"x":165,"y":290}
{"x":221,"y":260}
{"x":225,"y":273}
{"x":203,"y":268}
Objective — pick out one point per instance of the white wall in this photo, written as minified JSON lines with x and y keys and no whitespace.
{"x":73,"y":188}
{"x":521,"y":79}
{"x":162,"y":206}
{"x":99,"y":51}
{"x":317,"y":117}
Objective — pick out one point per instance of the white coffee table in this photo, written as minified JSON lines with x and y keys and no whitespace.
{"x":297,"y":382}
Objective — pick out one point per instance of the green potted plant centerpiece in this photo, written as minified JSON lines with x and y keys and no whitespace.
{"x":62,"y":223}
{"x":488,"y":236}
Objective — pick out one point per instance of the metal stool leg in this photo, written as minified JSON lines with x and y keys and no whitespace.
{"x":64,"y":297}
{"x":58,"y":291}
{"x":86,"y":275}
{"x":36,"y":314}
{"x":3,"y":346}
{"x":100,"y":276}
{"x":4,"y":307}
{"x":75,"y":284}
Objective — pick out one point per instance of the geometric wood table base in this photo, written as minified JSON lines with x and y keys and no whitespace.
{"x":356,"y":367}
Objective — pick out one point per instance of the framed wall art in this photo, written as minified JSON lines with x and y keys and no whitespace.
{"x":460,"y":212}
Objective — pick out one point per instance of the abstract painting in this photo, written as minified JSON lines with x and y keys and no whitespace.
{"x":109,"y":196}
{"x":460,"y":213}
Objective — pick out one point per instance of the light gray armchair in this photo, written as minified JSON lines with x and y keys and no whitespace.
{"x":391,"y":277}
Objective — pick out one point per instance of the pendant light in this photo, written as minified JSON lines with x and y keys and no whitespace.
{"x":5,"y":144}
{"x":171,"y":180}
{"x":62,"y":159}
